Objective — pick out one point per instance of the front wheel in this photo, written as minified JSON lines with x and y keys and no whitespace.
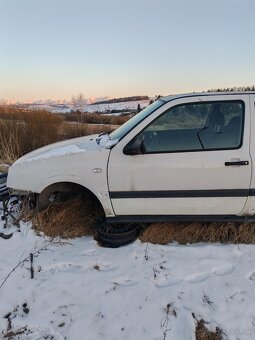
{"x":49,"y":196}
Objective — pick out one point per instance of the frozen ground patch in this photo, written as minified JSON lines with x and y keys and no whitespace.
{"x":140,"y":291}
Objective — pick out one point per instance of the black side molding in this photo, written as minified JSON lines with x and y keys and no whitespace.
{"x":178,"y":218}
{"x":182,"y":193}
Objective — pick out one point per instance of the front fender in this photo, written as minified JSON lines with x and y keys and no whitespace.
{"x":102,"y":195}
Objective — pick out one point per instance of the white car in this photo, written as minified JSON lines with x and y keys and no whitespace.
{"x":184,"y":157}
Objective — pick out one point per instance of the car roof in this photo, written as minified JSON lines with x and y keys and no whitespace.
{"x":208,"y":94}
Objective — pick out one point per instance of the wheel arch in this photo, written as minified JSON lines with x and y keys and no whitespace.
{"x":101,"y":192}
{"x":73,"y":188}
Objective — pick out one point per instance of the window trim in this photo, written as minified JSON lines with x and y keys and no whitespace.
{"x":195,"y":150}
{"x":139,"y":122}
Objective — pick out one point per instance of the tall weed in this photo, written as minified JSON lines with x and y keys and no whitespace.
{"x":22,"y":131}
{"x":96,"y":118}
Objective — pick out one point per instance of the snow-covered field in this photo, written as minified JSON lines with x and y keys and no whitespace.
{"x":132,"y":105}
{"x":107,"y":107}
{"x":138,"y":292}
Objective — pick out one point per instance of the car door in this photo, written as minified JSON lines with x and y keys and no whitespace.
{"x":195,"y":159}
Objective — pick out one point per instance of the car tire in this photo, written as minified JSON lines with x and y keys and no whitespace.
{"x":115,"y":236}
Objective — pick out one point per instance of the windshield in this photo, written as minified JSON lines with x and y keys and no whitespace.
{"x":131,"y":123}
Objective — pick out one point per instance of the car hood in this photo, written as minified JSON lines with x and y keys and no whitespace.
{"x":64,"y":148}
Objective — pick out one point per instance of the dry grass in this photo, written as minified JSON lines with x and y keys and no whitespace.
{"x":95,"y":118}
{"x":202,"y":333}
{"x":4,"y":168}
{"x":10,"y":139}
{"x":77,"y":130}
{"x":183,"y":233}
{"x":70,"y":219}
{"x":24,"y":131}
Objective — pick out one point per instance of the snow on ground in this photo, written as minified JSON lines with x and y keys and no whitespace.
{"x":81,"y":291}
{"x":50,"y":107}
{"x":130,"y":105}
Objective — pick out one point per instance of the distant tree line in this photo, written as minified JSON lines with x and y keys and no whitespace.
{"x":124,"y":99}
{"x":234,"y":89}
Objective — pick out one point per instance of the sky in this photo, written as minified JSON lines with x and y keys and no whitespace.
{"x":60,"y":48}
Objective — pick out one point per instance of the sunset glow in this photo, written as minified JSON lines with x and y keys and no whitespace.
{"x":56,"y":49}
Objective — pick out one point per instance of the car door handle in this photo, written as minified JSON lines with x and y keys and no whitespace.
{"x":237,"y":163}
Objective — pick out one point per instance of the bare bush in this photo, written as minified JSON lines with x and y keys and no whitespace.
{"x":42,"y":128}
{"x":95,"y":118}
{"x":77,"y":130}
{"x":22,"y":132}
{"x":10,"y":138}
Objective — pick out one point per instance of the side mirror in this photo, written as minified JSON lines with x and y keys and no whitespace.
{"x":134,"y":148}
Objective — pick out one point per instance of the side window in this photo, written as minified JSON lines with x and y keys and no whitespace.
{"x":196,"y":127}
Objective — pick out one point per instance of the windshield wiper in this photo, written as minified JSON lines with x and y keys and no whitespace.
{"x":99,"y":136}
{"x":102,"y":134}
